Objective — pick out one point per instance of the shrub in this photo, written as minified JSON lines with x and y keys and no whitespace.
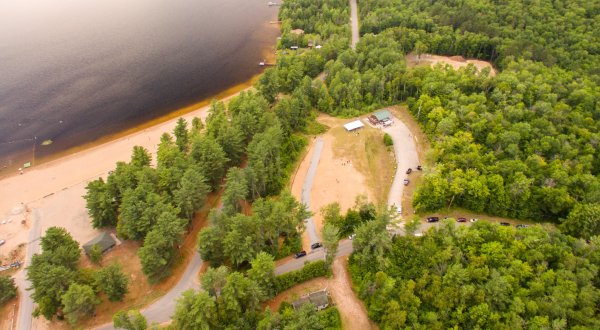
{"x":387,"y":140}
{"x":96,"y":254}
{"x":8,"y":289}
{"x":309,"y":271}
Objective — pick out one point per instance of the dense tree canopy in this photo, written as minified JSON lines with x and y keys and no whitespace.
{"x":489,"y":276}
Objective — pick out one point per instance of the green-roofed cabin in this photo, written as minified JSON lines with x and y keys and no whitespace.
{"x":105,"y":241}
{"x":383,"y":115}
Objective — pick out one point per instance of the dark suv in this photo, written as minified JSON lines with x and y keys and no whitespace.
{"x":300,"y":254}
{"x":316,"y":245}
{"x":461,"y":220}
{"x":433,"y":219}
{"x":409,"y":170}
{"x":504,"y":224}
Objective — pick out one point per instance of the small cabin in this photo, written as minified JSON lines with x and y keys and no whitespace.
{"x":320,"y":299}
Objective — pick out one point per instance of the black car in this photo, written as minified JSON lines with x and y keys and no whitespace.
{"x":316,"y":245}
{"x":461,"y":220}
{"x":409,"y":170}
{"x":419,"y":168}
{"x":504,"y":224}
{"x":300,"y":254}
{"x":433,"y":219}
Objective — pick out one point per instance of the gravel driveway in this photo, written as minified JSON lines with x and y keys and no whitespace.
{"x":405,"y":150}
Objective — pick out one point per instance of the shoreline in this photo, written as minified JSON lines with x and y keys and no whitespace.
{"x":12,"y":171}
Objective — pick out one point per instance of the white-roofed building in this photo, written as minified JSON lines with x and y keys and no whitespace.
{"x":354,"y":125}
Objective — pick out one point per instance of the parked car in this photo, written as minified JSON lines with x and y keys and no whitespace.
{"x":316,"y":245}
{"x":406,"y":182}
{"x":299,"y":254}
{"x":473,"y":220}
{"x":409,"y":170}
{"x":461,"y":220}
{"x":522,"y":226}
{"x":352,"y":236}
{"x":504,"y":224}
{"x":2,"y":242}
{"x":433,"y":219}
{"x":419,"y":168}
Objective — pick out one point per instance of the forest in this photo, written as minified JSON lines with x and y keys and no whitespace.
{"x":480,"y":277}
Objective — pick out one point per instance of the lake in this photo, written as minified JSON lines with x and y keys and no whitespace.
{"x":75,"y":71}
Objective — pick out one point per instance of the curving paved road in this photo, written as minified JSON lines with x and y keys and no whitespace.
{"x":354,"y":23}
{"x":307,"y":188}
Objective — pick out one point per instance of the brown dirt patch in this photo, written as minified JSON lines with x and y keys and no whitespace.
{"x":9,"y":313}
{"x":455,"y":62}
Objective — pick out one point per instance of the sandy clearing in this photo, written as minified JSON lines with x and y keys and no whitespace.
{"x":336,"y":180}
{"x":456,"y":62}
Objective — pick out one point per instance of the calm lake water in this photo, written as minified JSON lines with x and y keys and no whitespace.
{"x":73,"y":71}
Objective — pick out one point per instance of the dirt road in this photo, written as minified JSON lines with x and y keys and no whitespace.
{"x":354,"y":23}
{"x":352,"y":310}
{"x":307,"y":189}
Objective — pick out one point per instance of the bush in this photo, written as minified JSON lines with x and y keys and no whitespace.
{"x":290,"y":245}
{"x":96,"y":254}
{"x":309,"y":271}
{"x":8,"y":289}
{"x":387,"y":140}
{"x":330,"y":319}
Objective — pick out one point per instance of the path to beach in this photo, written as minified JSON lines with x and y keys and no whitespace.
{"x":307,"y":189}
{"x":354,"y":23}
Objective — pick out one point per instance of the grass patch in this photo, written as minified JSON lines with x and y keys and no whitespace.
{"x":315,"y":128}
{"x":371,"y":157}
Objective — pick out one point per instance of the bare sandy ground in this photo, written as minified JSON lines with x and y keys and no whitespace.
{"x":352,"y":310}
{"x":336,"y":180}
{"x":456,"y":62}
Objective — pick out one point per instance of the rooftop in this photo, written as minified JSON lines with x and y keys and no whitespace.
{"x":382,"y":115}
{"x":104,"y":240}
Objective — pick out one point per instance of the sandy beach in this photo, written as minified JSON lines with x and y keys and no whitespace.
{"x":61,"y":183}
